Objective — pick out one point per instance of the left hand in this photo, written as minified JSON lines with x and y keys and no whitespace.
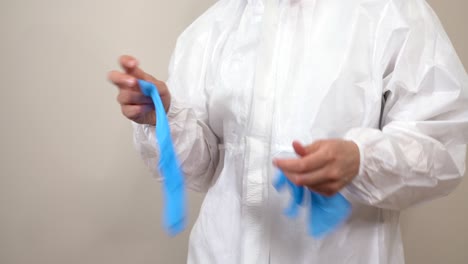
{"x":324,"y":167}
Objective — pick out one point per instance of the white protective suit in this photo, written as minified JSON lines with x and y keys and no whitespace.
{"x":250,"y":76}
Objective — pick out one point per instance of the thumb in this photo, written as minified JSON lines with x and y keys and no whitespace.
{"x":299,"y":149}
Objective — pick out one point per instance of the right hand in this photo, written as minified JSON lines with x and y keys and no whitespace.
{"x":134,"y":104}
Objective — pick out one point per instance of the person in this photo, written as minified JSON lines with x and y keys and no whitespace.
{"x":370,"y":93}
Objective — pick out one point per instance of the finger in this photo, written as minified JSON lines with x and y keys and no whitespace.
{"x":128,"y":62}
{"x":306,"y":164}
{"x":313,"y":178}
{"x":130,"y":65}
{"x":327,"y":189}
{"x":302,"y":150}
{"x":135,"y":112}
{"x":308,"y":179}
{"x":299,"y":148}
{"x":291,"y":176}
{"x":314,"y":146}
{"x":128,"y":97}
{"x":122,"y":80}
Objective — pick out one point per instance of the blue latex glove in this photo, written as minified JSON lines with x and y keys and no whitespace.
{"x":326,"y":213}
{"x":173,"y":180}
{"x":297,"y":195}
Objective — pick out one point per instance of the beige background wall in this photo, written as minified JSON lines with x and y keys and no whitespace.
{"x":72,"y":189}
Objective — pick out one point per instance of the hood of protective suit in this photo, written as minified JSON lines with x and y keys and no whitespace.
{"x":249,"y":77}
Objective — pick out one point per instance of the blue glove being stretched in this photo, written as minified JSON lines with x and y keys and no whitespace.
{"x":326,"y":213}
{"x":173,"y":180}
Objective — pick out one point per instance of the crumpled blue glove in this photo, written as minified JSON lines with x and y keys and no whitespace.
{"x":326,"y":214}
{"x":174,"y":218}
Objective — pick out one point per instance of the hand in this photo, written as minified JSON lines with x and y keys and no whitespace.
{"x":324,"y":167}
{"x":134,"y":104}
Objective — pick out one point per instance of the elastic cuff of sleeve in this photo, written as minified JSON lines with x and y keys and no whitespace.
{"x":356,"y":186}
{"x":352,"y":136}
